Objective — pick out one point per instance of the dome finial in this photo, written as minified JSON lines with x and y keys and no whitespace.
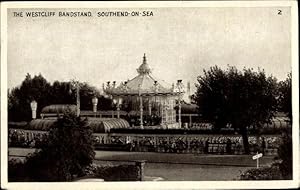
{"x":144,"y":59}
{"x":144,"y":68}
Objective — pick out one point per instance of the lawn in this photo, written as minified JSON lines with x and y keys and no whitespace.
{"x":177,"y":167}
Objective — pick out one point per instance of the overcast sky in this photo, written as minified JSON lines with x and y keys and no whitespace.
{"x":179,"y":44}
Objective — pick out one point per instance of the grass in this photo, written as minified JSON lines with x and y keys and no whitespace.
{"x":178,"y":167}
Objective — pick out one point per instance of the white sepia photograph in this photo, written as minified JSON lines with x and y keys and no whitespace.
{"x":149,"y":95}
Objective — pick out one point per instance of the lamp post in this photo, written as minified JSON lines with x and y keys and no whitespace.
{"x":119,"y":102}
{"x":115,"y":104}
{"x":95,"y":102}
{"x":109,"y":91}
{"x":180,"y":90}
{"x":75,"y":84}
{"x":33,"y":106}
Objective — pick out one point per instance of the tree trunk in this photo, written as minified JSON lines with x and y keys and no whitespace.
{"x":245,"y":140}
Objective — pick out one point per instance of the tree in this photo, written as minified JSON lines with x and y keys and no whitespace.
{"x":13,"y":104}
{"x":285,"y":155}
{"x":104,"y":103}
{"x":36,"y":88}
{"x":61,"y":94}
{"x":285,"y":96}
{"x":66,"y":152}
{"x":64,"y":93}
{"x":239,"y":98}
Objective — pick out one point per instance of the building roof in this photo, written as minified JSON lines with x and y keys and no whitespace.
{"x":98,"y":125}
{"x":103,"y":125}
{"x":87,"y":113}
{"x":189,"y":108}
{"x":17,"y":125}
{"x":144,"y":84}
{"x":41,"y":124}
{"x":58,"y":108}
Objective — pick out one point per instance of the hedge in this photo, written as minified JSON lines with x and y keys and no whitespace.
{"x":114,"y":173}
{"x":193,"y":131}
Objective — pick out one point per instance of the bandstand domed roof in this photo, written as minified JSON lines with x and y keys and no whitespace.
{"x":143,"y":83}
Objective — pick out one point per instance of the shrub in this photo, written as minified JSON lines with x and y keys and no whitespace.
{"x":263,"y":173}
{"x":118,"y":173}
{"x":113,"y":173}
{"x":281,"y":169}
{"x":16,"y":170}
{"x":67,"y":150}
{"x":169,"y":131}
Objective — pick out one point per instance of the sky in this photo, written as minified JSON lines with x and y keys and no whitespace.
{"x":179,"y":43}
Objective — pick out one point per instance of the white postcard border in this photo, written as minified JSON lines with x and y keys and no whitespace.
{"x":153,"y":185}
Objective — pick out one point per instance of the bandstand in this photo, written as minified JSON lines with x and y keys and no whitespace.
{"x":148,"y":97}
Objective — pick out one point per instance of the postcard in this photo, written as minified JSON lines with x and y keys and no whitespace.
{"x":149,"y":95}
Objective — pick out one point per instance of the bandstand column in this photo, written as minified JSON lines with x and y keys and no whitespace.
{"x":149,"y":106}
{"x":172,"y":111}
{"x":180,"y":90}
{"x":141,"y":111}
{"x":162,"y":111}
{"x":179,"y":113}
{"x":166,"y":110}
